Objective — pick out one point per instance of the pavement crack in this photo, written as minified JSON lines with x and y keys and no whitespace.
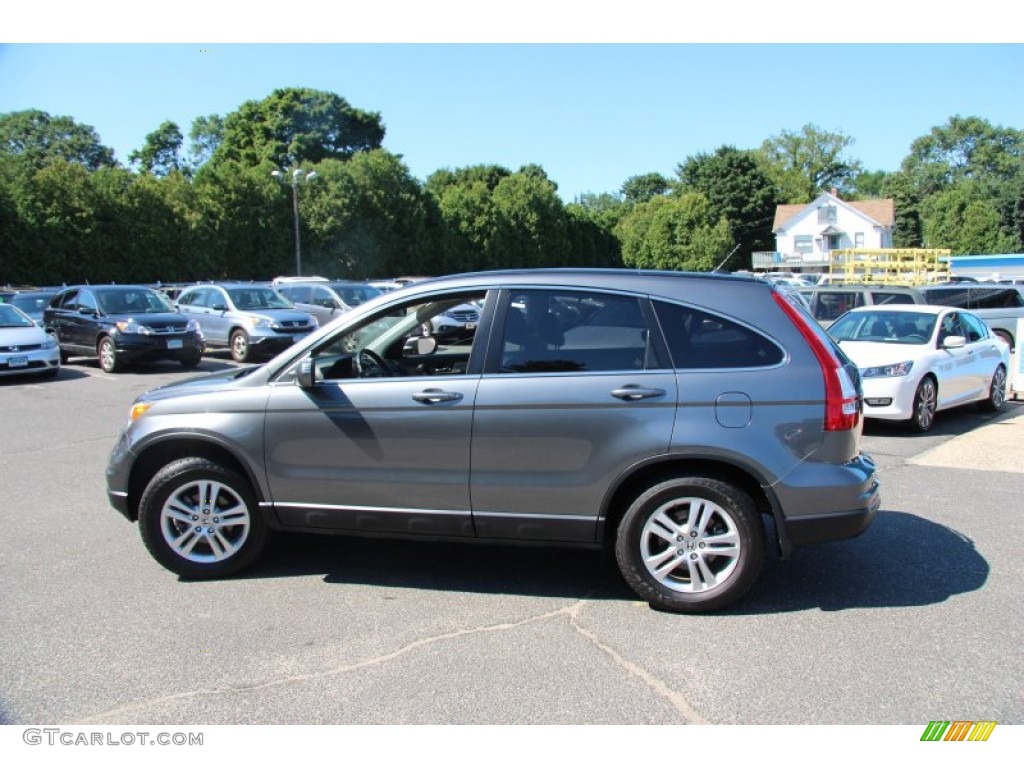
{"x":103,"y":717}
{"x":676,"y":700}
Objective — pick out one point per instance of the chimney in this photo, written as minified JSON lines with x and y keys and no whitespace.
{"x":835,"y":192}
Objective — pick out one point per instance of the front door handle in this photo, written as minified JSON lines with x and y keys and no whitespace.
{"x":633,"y":392}
{"x":436,"y":396}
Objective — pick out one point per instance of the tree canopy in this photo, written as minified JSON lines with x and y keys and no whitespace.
{"x":296,"y":126}
{"x":38,"y":138}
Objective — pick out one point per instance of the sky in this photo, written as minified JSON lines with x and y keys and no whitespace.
{"x":592,"y":114}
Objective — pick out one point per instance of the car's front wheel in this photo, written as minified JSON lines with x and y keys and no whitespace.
{"x":691,"y":544}
{"x":200,"y":519}
{"x":925,"y":403}
{"x":996,"y":391}
{"x":192,"y":360}
{"x":241,"y":352}
{"x":106,"y":353}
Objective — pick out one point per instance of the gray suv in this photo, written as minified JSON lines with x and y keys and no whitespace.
{"x":667,"y":416}
{"x":246,"y":318}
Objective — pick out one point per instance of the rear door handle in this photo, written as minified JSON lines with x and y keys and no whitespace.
{"x":633,"y":392}
{"x":436,"y":396}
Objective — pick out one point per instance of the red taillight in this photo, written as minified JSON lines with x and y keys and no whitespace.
{"x":842,"y":403}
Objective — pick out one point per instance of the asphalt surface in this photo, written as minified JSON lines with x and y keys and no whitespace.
{"x":919,"y":619}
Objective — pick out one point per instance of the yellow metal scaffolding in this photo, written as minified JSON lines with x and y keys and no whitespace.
{"x":905,"y":266}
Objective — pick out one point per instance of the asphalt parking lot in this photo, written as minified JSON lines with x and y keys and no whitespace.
{"x":918,"y":619}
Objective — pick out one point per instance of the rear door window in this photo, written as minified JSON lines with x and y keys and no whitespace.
{"x":832,"y":304}
{"x":698,"y":339}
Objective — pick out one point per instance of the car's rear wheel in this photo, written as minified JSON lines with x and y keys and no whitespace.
{"x":241,"y":352}
{"x":106,"y":353}
{"x":691,"y":544}
{"x":200,"y":519}
{"x":996,"y":392}
{"x":925,"y":403}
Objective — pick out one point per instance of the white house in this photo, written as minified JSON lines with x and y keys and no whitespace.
{"x":806,"y":234}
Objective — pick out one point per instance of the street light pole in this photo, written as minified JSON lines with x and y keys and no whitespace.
{"x":296,"y":178}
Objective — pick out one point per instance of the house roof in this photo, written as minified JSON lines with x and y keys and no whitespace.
{"x":883,"y":212}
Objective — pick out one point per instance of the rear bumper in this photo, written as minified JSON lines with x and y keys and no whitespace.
{"x":841,"y":508}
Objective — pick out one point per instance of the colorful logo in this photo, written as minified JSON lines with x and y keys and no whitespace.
{"x":958,"y":730}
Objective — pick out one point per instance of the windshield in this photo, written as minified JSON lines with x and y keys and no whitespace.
{"x":353,"y":295}
{"x":134,"y":301}
{"x":888,"y":327}
{"x":248,"y":299}
{"x":10,"y":317}
{"x":31,"y":303}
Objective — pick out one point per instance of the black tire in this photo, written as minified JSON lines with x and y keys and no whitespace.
{"x":184,"y":535}
{"x":654,"y":532}
{"x":926,"y":400}
{"x":192,"y":360}
{"x":106,"y":353}
{"x":241,"y":351}
{"x":996,"y":391}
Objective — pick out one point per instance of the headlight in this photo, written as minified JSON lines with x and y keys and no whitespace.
{"x":131,"y":326}
{"x":260,"y":322}
{"x":896,"y":369}
{"x":140,"y":408}
{"x":193,"y":327}
{"x":51,"y":342}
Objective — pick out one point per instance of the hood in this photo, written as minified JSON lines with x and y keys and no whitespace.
{"x":200,"y":385}
{"x":22,"y":337}
{"x":869,"y":354}
{"x":283,"y":315}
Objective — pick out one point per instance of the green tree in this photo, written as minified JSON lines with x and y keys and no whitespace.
{"x":965,"y":175}
{"x":810,"y":162}
{"x":677,"y":233}
{"x":962,"y":218}
{"x":739,"y":190}
{"x":368,"y":217}
{"x":205,"y":136}
{"x":297,"y":126}
{"x":640,"y":189}
{"x":161,"y":153}
{"x":39,"y":138}
{"x":870,"y":185}
{"x":964,"y":148}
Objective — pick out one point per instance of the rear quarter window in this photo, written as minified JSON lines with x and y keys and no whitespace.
{"x":698,"y":339}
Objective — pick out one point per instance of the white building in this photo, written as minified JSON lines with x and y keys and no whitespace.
{"x":805,"y":235}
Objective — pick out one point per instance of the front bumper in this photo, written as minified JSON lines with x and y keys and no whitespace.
{"x":890,"y":397}
{"x":24,"y":362}
{"x":170,"y":346}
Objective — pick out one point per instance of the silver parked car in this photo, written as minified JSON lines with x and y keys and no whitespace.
{"x":326,"y":300}
{"x":247,"y":319}
{"x":664,"y":415}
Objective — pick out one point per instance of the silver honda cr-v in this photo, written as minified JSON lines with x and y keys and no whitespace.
{"x":664,"y":415}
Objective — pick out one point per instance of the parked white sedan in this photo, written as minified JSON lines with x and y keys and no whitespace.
{"x":915,"y":360}
{"x":24,"y":346}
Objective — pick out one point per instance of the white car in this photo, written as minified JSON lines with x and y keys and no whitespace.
{"x":24,"y":346}
{"x":915,"y":360}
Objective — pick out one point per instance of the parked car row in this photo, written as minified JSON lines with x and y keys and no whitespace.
{"x":998,"y":305}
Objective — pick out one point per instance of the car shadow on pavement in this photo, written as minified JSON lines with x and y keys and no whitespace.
{"x":901,"y":560}
{"x":948,"y":423}
{"x":445,"y":566}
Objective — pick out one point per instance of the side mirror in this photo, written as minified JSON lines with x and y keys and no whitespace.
{"x":219,"y":308}
{"x":305,"y":376}
{"x":420,"y":346}
{"x":953,"y":342}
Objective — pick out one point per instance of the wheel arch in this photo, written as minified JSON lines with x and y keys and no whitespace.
{"x":158,"y":455}
{"x":643,"y":477}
